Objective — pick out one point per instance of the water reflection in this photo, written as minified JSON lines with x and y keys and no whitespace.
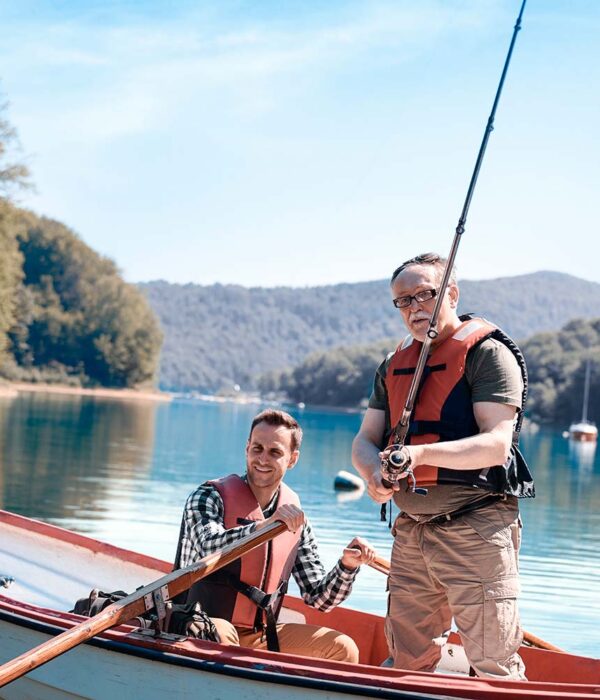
{"x":64,"y":456}
{"x":582,"y":455}
{"x":346,"y":496}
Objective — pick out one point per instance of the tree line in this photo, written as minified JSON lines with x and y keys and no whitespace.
{"x":220,"y":335}
{"x":556,"y":367}
{"x":66,"y":315}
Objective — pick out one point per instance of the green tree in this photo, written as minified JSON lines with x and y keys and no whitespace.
{"x":340,"y":377}
{"x":14,"y":176}
{"x":76,"y":316}
{"x":64,"y":309}
{"x":11,"y":274}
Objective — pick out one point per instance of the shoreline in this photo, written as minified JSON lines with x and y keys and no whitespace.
{"x":13,"y":389}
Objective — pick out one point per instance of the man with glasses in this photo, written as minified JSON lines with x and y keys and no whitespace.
{"x":456,"y":540}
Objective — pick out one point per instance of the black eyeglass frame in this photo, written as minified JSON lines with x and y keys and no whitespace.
{"x":429,"y":295}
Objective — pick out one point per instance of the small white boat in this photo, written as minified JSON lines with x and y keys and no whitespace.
{"x":584,"y":430}
{"x":52,"y":567}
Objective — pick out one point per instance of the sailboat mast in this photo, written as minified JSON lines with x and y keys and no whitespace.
{"x":586,"y":391}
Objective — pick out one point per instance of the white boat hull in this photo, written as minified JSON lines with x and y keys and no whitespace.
{"x":94,"y":672}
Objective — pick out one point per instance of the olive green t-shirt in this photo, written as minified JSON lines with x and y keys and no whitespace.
{"x":493,"y":374}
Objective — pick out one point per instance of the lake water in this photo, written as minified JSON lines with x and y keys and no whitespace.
{"x":121,"y":471}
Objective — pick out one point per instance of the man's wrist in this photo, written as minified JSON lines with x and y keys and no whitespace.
{"x":415,"y":453}
{"x":345,"y":569}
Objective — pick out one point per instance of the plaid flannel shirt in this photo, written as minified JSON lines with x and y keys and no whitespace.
{"x":203,"y":532}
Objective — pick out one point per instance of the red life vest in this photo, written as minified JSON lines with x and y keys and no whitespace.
{"x":443,"y":407}
{"x":267,"y":567}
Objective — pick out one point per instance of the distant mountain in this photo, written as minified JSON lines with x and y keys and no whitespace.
{"x":220,"y":335}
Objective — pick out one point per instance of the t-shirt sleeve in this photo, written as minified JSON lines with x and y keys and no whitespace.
{"x":378,"y":398}
{"x":494,"y":374}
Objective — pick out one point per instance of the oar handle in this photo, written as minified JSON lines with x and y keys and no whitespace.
{"x":383,"y":565}
{"x":135,"y":604}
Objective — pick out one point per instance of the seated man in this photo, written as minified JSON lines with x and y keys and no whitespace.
{"x":244,"y":598}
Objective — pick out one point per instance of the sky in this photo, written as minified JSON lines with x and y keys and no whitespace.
{"x":304,"y":143}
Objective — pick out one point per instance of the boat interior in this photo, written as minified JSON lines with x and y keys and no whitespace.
{"x":45,"y":569}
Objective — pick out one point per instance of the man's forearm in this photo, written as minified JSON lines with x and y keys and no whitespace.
{"x":365,"y":457}
{"x":213,"y":537}
{"x":477,"y":452}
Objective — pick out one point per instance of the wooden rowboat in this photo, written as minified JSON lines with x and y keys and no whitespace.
{"x":53,"y":567}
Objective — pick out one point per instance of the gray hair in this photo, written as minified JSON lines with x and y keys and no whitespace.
{"x":426,"y":259}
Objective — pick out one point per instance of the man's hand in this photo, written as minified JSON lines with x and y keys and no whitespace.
{"x":289,"y":514}
{"x":391,"y":472}
{"x":358,"y":552}
{"x":377,"y":491}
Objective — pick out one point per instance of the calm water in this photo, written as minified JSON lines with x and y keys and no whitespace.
{"x":120,"y":471}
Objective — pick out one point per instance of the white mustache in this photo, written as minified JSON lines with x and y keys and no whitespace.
{"x":420,"y":317}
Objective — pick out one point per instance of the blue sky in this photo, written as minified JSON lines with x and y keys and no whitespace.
{"x":302,"y":143}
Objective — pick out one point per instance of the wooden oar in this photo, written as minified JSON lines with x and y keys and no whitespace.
{"x":135,"y":604}
{"x":383,"y":565}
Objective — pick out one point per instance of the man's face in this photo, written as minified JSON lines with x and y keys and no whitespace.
{"x":419,"y":278}
{"x":269,"y":455}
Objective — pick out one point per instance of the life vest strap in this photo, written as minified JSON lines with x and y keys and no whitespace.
{"x":267,"y":602}
{"x":427,"y":370}
{"x":447,"y":429}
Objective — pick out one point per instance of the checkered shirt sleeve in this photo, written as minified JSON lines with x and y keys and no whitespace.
{"x":203,"y":532}
{"x":318,"y":589}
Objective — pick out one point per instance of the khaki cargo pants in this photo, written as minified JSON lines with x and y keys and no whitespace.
{"x":466,"y":569}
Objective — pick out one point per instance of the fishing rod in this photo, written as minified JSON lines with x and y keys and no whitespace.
{"x":398,"y":462}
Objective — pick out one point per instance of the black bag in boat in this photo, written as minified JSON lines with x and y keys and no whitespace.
{"x":185,"y":620}
{"x":96,"y":602}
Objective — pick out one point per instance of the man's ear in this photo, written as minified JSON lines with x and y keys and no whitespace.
{"x":293,"y":459}
{"x":453,"y":293}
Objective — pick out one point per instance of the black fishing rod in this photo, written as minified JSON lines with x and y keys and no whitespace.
{"x":398,"y":462}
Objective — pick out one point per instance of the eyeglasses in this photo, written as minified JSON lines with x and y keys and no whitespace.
{"x":404,"y":302}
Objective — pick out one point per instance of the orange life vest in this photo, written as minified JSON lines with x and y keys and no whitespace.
{"x":444,"y":409}
{"x":263,"y":571}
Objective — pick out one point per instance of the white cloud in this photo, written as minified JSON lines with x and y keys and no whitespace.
{"x":133,"y":76}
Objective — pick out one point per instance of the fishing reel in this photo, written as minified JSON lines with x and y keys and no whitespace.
{"x":394,"y":465}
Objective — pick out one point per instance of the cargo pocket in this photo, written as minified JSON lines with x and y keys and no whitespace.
{"x":489,"y":526}
{"x":501,"y":628}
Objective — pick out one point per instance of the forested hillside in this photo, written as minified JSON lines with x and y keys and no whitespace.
{"x":220,"y":335}
{"x":556,"y":365}
{"x":68,"y":316}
